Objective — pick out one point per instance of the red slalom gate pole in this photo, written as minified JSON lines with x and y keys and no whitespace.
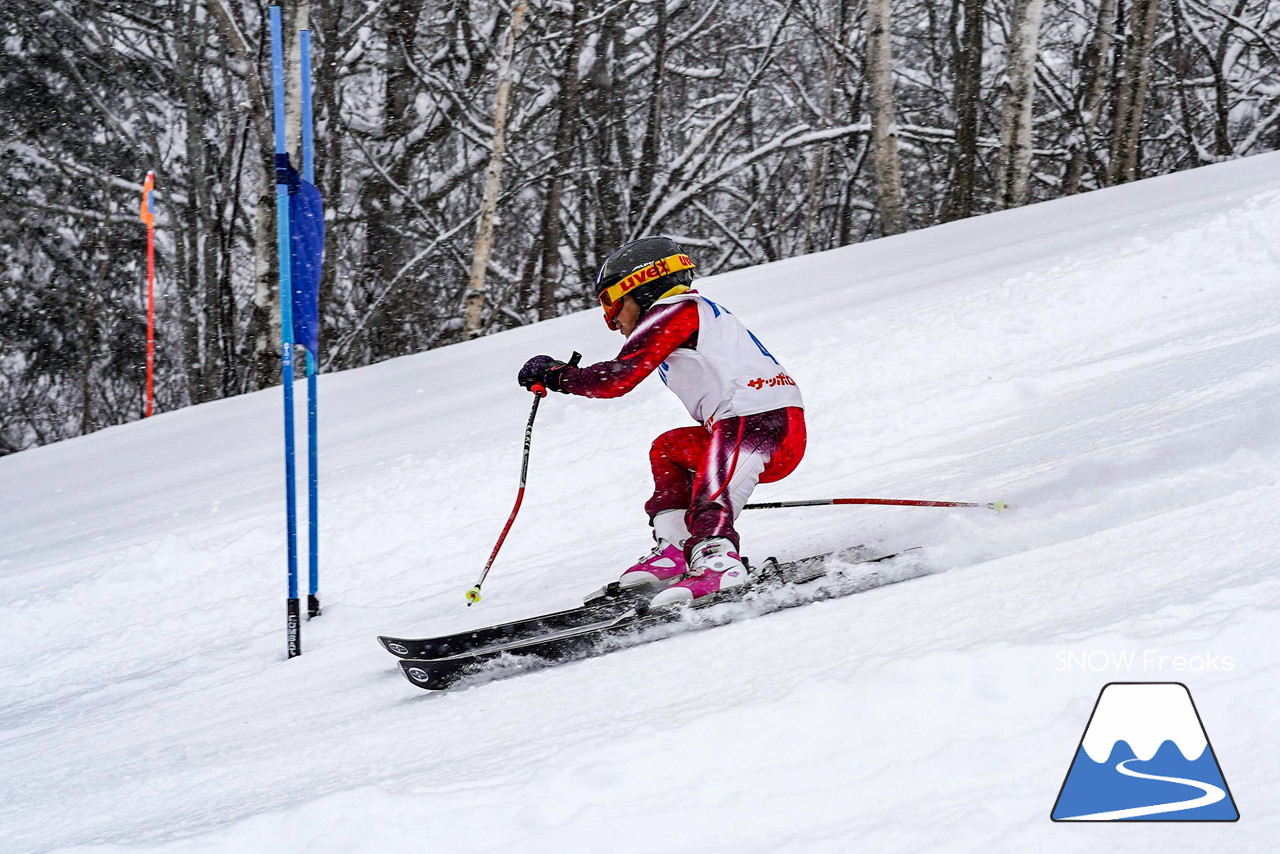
{"x":148,"y":217}
{"x":897,"y":502}
{"x":151,"y":318}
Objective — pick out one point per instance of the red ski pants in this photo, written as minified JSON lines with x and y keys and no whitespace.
{"x":710,"y":474}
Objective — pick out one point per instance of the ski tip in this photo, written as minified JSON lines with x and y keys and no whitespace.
{"x":394,"y":646}
{"x":473,"y":595}
{"x":999,"y":505}
{"x":429,"y":676}
{"x":418,"y":675}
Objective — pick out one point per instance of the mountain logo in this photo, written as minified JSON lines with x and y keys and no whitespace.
{"x":1145,"y":756}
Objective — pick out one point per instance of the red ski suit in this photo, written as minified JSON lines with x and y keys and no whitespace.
{"x":707,"y":471}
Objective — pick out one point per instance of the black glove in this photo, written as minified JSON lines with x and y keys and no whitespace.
{"x":542,"y":371}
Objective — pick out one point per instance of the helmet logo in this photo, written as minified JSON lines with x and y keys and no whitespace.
{"x":656,"y":270}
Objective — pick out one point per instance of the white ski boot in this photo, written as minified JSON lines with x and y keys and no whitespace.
{"x":716,"y":567}
{"x":663,"y":564}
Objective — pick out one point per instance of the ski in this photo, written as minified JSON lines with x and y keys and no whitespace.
{"x":622,"y":624}
{"x":607,"y":602}
{"x":604,"y":604}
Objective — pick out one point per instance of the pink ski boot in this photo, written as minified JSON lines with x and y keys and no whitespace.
{"x":665,"y":563}
{"x":716,"y":567}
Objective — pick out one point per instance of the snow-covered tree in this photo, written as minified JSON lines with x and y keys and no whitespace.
{"x":750,"y":131}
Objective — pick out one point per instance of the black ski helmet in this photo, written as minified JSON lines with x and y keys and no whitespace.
{"x":657,"y":265}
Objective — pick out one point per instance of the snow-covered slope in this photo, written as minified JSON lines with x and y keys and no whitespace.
{"x":1110,"y":363}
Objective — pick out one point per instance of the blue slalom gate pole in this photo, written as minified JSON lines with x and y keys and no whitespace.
{"x":293,"y":624}
{"x":313,"y":368}
{"x":313,"y":484}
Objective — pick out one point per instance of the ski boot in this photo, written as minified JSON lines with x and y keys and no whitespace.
{"x":664,"y":564}
{"x":716,"y":567}
{"x":661,"y":566}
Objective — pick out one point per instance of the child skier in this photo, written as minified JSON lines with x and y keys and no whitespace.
{"x":750,"y":409}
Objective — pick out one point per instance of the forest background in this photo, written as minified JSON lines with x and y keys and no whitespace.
{"x":748,"y":131}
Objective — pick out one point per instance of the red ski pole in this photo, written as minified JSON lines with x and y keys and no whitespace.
{"x":539,"y":392}
{"x":898,"y":502}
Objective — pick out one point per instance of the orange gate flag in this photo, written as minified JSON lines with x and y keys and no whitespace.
{"x":145,"y":214}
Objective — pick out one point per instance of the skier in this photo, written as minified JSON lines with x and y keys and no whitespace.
{"x":750,"y":411}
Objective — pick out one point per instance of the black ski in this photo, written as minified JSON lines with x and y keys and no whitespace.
{"x":622,"y":624}
{"x":606,"y":604}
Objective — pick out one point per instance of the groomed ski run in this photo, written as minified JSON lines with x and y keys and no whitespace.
{"x":1109,"y":363}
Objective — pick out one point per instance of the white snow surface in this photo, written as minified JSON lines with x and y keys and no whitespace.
{"x":1109,"y":363}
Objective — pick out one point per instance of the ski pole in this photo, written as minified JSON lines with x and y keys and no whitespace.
{"x":899,"y":502}
{"x":539,"y":392}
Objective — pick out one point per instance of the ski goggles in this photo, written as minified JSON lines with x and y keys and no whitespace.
{"x":611,"y":297}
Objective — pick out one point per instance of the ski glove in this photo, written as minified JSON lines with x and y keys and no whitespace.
{"x":542,"y":370}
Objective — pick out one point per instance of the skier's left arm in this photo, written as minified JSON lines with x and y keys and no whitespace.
{"x":663,"y":329}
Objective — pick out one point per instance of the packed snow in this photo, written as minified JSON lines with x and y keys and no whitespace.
{"x":1108,"y":363}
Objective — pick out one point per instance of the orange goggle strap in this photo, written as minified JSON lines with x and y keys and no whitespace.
{"x":610,"y":296}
